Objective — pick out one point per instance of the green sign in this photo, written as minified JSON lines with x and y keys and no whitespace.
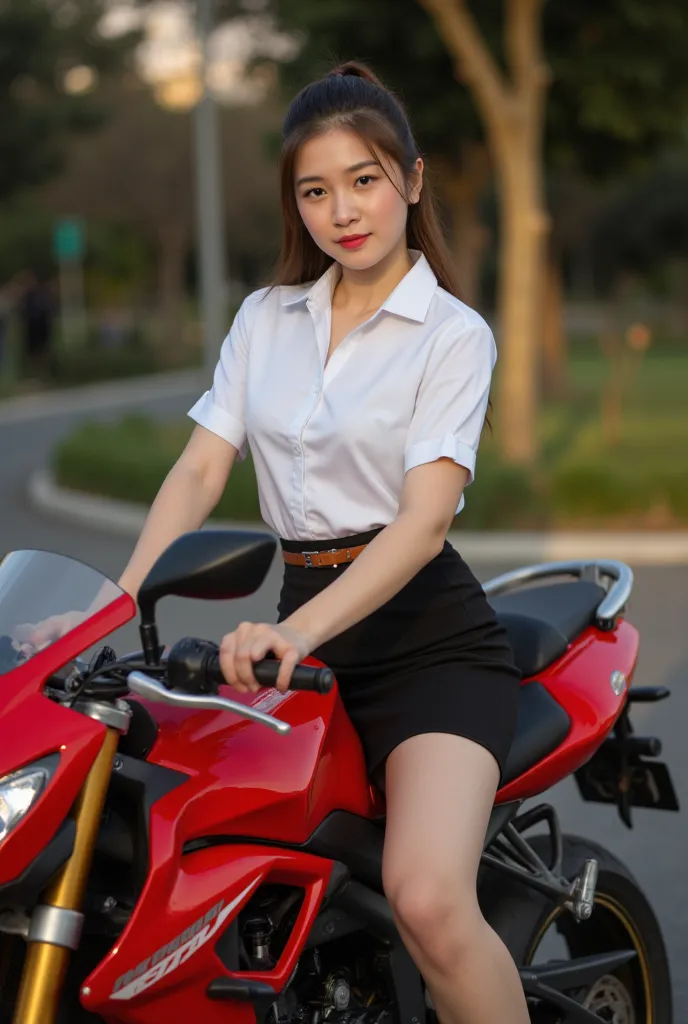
{"x":68,"y":239}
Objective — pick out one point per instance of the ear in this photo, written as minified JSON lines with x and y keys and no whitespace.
{"x":415,"y":182}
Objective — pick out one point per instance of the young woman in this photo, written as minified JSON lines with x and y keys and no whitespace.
{"x":361,"y":382}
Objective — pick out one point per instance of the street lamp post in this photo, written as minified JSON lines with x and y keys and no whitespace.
{"x":210,"y":218}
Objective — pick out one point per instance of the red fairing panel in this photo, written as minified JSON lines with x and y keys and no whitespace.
{"x":248,"y":780}
{"x":27,"y":733}
{"x":32,"y":726}
{"x":245,"y":780}
{"x":580,"y":682}
{"x":165,"y":958}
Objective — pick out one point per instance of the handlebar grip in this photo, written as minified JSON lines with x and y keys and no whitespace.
{"x":304,"y":677}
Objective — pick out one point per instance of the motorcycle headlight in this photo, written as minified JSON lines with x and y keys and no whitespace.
{"x":20,"y":790}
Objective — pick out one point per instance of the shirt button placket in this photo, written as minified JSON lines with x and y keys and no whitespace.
{"x":307,"y":411}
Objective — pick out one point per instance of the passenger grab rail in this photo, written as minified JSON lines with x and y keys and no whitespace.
{"x":609,"y":607}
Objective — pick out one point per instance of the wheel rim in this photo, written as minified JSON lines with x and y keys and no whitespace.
{"x":610,"y":1000}
{"x":609,"y":928}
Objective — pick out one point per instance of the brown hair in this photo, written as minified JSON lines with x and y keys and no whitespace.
{"x":351,"y":96}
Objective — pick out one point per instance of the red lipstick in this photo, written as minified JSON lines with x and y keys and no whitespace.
{"x":352,"y":241}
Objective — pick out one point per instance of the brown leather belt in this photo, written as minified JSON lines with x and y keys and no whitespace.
{"x":330,"y":558}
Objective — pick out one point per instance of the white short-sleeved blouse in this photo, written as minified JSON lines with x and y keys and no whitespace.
{"x":331,"y":446}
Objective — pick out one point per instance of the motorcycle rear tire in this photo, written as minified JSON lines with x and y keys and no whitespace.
{"x":521,"y":917}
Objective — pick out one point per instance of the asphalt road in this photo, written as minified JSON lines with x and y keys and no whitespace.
{"x":656,"y":850}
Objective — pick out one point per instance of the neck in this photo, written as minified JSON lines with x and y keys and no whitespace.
{"x":365,"y":290}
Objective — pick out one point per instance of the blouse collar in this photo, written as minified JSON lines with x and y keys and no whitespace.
{"x":411,"y":298}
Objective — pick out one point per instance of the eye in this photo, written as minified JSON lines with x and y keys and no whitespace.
{"x":310,"y":191}
{"x":366,"y":178}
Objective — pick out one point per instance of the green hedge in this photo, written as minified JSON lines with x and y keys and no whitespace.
{"x":130,"y":459}
{"x":639,"y":486}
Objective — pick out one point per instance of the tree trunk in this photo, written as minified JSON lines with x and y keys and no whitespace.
{"x":464,"y":184}
{"x":521,"y":261}
{"x":554,"y":347}
{"x":512,"y":110}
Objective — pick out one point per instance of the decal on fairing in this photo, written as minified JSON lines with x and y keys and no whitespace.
{"x":272,"y":698}
{"x":176,"y":952}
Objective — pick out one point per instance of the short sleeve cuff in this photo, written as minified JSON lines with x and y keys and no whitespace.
{"x":209,"y":415}
{"x":447,"y":447}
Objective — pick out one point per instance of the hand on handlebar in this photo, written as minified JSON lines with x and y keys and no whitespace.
{"x":250,"y":642}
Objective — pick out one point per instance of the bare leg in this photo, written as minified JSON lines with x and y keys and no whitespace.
{"x":440,"y":792}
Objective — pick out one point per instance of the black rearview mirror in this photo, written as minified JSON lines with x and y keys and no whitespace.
{"x":210,"y":564}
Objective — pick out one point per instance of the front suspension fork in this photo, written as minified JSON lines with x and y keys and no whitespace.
{"x":55,"y":927}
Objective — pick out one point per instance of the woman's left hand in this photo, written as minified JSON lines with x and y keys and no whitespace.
{"x":250,"y":642}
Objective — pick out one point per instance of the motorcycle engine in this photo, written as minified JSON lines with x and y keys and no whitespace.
{"x":339,"y":998}
{"x":339,"y":982}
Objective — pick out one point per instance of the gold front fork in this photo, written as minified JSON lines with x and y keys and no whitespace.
{"x":46,"y":962}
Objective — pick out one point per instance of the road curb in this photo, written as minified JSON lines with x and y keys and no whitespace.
{"x":112,"y":394}
{"x":127,"y":518}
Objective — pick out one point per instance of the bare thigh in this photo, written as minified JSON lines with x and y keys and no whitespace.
{"x":440,"y":792}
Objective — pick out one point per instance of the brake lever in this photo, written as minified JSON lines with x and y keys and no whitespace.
{"x":145,"y":686}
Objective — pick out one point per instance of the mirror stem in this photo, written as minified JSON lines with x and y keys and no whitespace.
{"x":150,"y":642}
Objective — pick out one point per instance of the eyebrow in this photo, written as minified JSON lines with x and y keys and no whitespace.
{"x":349,"y":170}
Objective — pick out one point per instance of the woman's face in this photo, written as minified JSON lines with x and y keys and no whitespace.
{"x":343,"y":193}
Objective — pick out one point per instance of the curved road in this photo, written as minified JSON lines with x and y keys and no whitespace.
{"x":656,"y":849}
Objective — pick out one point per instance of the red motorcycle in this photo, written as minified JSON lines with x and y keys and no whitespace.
{"x":170,"y":854}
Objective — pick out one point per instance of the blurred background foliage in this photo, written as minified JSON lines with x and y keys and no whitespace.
{"x":97,"y":103}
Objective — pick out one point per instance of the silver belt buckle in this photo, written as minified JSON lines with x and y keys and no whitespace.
{"x":307,"y":556}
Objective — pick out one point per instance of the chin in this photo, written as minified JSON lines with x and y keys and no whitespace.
{"x":360,"y":259}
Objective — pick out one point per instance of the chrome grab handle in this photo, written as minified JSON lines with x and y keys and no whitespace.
{"x":609,"y":607}
{"x":152,"y":689}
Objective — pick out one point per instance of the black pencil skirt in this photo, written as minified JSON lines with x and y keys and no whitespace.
{"x":434,"y":658}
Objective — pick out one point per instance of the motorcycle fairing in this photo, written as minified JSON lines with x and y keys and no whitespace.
{"x":167,"y":953}
{"x":281,"y":787}
{"x":30,"y":729}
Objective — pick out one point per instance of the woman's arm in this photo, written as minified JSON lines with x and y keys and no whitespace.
{"x":190,"y":492}
{"x":427,"y":507}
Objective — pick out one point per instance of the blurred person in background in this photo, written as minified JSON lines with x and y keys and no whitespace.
{"x":9,"y":296}
{"x":36,"y":309}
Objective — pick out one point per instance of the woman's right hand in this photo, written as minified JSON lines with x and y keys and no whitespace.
{"x":32,"y":637}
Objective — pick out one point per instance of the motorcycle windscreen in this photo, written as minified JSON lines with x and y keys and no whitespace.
{"x":36,"y":585}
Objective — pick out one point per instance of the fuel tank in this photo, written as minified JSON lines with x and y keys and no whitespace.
{"x":247,"y":780}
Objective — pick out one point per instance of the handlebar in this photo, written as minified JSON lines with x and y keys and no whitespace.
{"x":189,"y":677}
{"x":194,"y":675}
{"x":304,"y":677}
{"x":154,"y":690}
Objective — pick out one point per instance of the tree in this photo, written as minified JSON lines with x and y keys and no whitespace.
{"x":644,"y":224}
{"x":512,"y":106}
{"x":618,"y":98}
{"x":39,"y":43}
{"x":138,"y":170}
{"x":612,"y":71}
{"x":622,"y":86}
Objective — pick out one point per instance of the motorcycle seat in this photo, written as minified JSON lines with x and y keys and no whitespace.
{"x":542,"y":621}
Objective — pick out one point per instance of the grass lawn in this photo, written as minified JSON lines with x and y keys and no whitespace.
{"x":581,"y":479}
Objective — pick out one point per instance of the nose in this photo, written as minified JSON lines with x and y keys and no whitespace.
{"x":345,"y":209}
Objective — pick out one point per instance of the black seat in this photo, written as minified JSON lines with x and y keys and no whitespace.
{"x":541,"y":726}
{"x":542,"y":621}
{"x":357,"y":842}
